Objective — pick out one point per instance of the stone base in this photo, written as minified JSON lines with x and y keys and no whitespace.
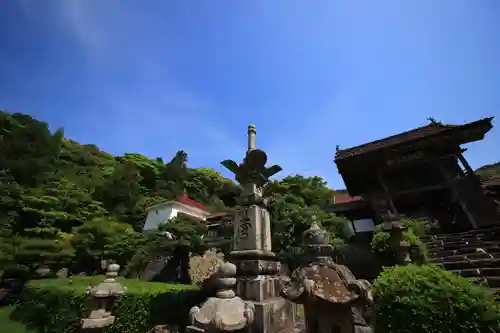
{"x":258,"y":288}
{"x":92,"y":323}
{"x":275,"y":315}
{"x":194,"y":329}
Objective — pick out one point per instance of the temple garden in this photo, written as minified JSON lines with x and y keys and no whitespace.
{"x":278,"y":260}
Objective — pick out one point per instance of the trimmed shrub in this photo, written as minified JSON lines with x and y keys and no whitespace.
{"x":58,"y":305}
{"x":428,"y":299}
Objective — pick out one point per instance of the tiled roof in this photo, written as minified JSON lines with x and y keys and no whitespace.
{"x":184,"y":199}
{"x":344,"y":198}
{"x":412,"y":135}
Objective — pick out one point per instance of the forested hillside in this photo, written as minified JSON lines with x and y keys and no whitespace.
{"x":489,"y":171}
{"x":65,"y":204}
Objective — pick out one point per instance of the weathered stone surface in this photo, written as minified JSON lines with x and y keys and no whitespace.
{"x":226,"y":312}
{"x":474,"y":254}
{"x":90,"y":323}
{"x":258,"y":266}
{"x":102,"y":296}
{"x":333,"y":299}
{"x":163,"y":329}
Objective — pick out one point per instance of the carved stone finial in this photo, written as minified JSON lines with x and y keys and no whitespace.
{"x":315,"y":235}
{"x":253,"y":170}
{"x":226,"y":312}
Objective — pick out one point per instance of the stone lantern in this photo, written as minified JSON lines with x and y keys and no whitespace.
{"x":225,"y":312}
{"x":333,"y":299}
{"x":399,"y":246}
{"x":103,"y":296}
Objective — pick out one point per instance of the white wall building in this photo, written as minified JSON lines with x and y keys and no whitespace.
{"x":165,"y":211}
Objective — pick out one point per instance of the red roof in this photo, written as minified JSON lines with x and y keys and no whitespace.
{"x":415,"y":134}
{"x":184,"y":199}
{"x":344,"y":198}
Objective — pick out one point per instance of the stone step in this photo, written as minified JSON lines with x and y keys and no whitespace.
{"x":477,"y":272}
{"x":480,"y":231}
{"x":466,"y":264}
{"x":480,"y":238}
{"x":464,"y":250}
{"x":464,"y":257}
{"x":489,"y":281}
{"x":462,"y":244}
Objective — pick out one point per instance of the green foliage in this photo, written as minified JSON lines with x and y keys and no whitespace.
{"x":75,"y":202}
{"x":428,"y":299}
{"x":293,"y":203}
{"x":38,"y":252}
{"x":9,"y":325}
{"x":418,"y":251}
{"x":489,"y":170}
{"x":418,"y":227}
{"x":57,"y":305}
{"x":101,"y":239}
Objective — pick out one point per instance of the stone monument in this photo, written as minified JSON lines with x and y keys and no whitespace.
{"x":400,"y":247}
{"x":258,"y":280}
{"x":103,"y":295}
{"x":224,"y":313}
{"x":334,"y":300}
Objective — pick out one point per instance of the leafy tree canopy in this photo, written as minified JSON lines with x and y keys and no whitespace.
{"x":65,"y":203}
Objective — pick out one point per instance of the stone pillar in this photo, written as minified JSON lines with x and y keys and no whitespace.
{"x":258,"y":266}
{"x":252,"y":132}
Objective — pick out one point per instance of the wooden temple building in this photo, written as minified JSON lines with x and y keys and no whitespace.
{"x":420,"y":173}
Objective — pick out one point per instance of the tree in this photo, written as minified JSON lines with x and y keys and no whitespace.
{"x":293,"y":203}
{"x":35,"y":253}
{"x":103,"y":239}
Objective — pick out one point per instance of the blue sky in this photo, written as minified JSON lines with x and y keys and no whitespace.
{"x":157,"y":76}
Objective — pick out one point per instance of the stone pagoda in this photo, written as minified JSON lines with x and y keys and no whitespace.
{"x":257,"y":265}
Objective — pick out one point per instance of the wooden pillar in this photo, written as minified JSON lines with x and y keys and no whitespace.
{"x":450,"y":182}
{"x":387,"y":192}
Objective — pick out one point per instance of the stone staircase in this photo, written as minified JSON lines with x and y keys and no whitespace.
{"x":473,"y":254}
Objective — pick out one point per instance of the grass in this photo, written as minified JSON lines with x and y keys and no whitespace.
{"x":78,"y":284}
{"x":10,"y":326}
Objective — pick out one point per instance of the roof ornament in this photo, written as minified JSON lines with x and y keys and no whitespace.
{"x":434,"y":121}
{"x":337,"y":148}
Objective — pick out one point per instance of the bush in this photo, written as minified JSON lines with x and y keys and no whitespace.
{"x":428,"y":299}
{"x":419,"y":228}
{"x":382,"y":247}
{"x":58,"y":305}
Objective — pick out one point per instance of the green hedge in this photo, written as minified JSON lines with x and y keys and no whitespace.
{"x":428,"y":299}
{"x":58,"y":305}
